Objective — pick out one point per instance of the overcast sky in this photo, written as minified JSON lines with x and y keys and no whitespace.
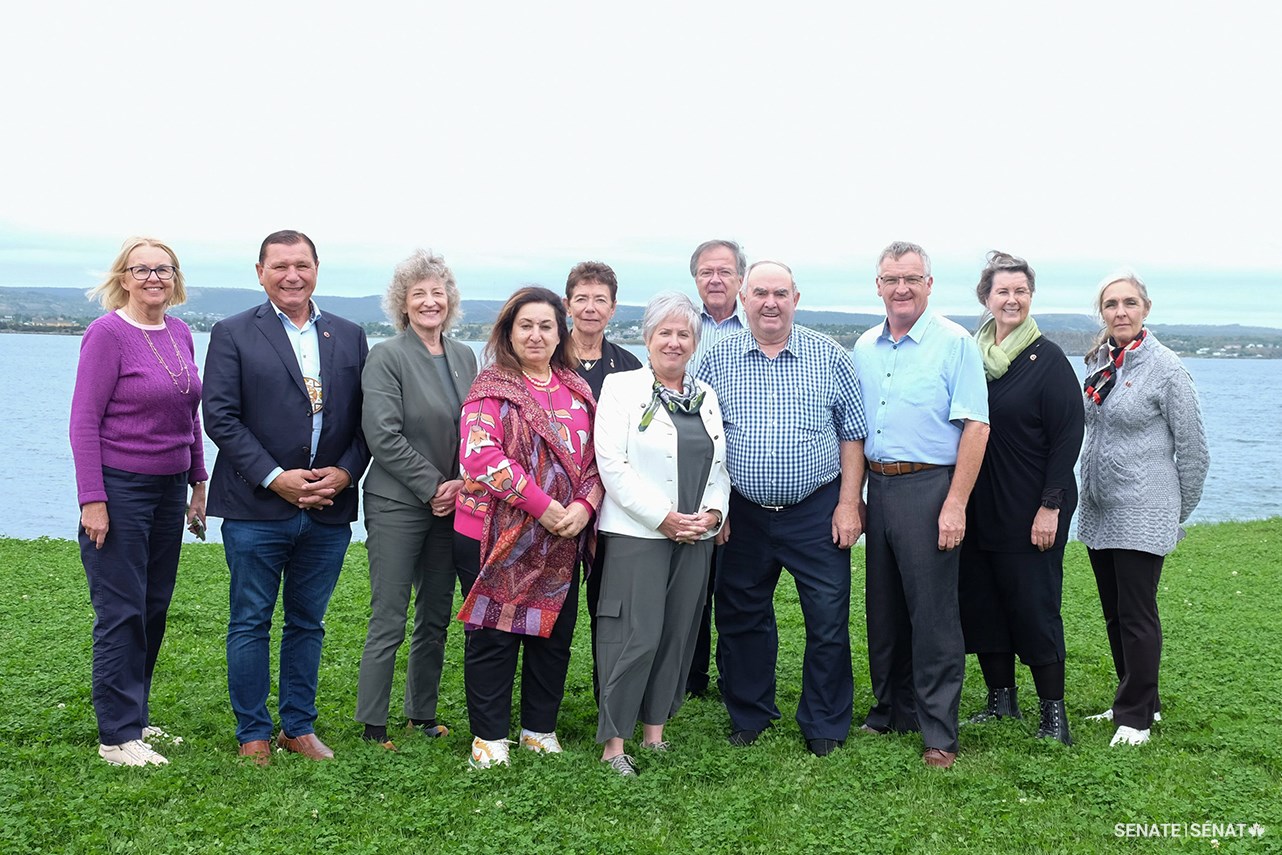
{"x":517,"y":139}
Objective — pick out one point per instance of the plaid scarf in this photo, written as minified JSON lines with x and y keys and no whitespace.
{"x":687,"y":400}
{"x":1099,"y":384}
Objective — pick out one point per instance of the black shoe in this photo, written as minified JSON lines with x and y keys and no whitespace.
{"x":745,"y":737}
{"x":823,"y":747}
{"x":1054,"y":722}
{"x":1002,"y":703}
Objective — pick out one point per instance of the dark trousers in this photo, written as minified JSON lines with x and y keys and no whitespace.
{"x":490,"y":657}
{"x":761,"y":543}
{"x":916,"y":655}
{"x":700,"y":671}
{"x":592,"y":589}
{"x":1127,"y":581}
{"x":131,"y":581}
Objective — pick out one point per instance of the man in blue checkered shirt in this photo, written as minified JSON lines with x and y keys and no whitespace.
{"x":794,"y":445}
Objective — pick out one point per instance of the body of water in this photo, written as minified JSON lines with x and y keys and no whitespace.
{"x":1239,"y":398}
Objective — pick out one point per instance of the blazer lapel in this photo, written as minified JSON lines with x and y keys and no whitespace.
{"x":270,"y":326}
{"x":454,"y":359}
{"x":326,"y":343}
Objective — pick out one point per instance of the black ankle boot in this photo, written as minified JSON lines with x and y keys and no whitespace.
{"x":1002,"y":703}
{"x":1054,"y":722}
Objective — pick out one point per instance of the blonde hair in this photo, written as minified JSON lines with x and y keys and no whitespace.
{"x":111,"y":293}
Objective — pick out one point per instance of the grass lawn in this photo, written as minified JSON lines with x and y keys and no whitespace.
{"x":1215,"y":758}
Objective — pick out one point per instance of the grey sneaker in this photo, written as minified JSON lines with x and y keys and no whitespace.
{"x":623,"y":764}
{"x":660,"y":747}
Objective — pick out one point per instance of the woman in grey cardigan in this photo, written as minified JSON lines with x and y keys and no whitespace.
{"x":1143,"y":466}
{"x":413,"y":387}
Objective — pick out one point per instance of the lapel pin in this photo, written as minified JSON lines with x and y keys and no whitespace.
{"x":326,"y":333}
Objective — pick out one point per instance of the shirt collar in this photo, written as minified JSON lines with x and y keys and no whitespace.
{"x":311,"y":319}
{"x":737,"y":314}
{"x":916,"y":332}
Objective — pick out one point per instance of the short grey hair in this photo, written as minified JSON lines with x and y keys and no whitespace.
{"x":899,"y":249}
{"x":740,"y":260}
{"x":668,"y":304}
{"x":743,"y":289}
{"x":421,"y":265}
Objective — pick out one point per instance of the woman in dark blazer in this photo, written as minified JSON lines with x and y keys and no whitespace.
{"x":1012,"y":561}
{"x":414,"y":386}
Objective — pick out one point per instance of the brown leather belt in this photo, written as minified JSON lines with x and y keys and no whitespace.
{"x":899,"y":467}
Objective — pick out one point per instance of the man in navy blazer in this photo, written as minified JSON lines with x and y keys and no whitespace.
{"x":282,"y":401}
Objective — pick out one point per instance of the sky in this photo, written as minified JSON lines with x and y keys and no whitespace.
{"x":517,"y":139}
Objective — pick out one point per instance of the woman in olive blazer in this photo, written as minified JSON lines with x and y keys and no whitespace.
{"x":413,"y":387}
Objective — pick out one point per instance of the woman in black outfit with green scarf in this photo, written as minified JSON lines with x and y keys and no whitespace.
{"x":1012,"y":562}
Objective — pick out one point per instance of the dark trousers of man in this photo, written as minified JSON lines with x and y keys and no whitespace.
{"x":916,"y":657}
{"x":762,"y":541}
{"x":131,"y":581}
{"x":1127,"y":581}
{"x":700,"y":673}
{"x":489,"y":663}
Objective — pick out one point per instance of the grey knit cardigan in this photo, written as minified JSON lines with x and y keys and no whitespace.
{"x":1144,"y":460}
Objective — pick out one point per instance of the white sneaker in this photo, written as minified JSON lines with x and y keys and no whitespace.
{"x":1129,"y":736}
{"x":1107,"y":715}
{"x":132,"y":753}
{"x":540,"y":743}
{"x":487,"y":753}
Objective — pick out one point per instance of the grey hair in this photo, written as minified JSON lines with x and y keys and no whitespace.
{"x":422,"y":264}
{"x":899,"y":249}
{"x":743,"y":289}
{"x":1122,"y":274}
{"x":667,"y":304}
{"x":740,"y":260}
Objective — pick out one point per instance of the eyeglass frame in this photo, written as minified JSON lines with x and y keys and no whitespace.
{"x":170,"y":268}
{"x":913,"y":281}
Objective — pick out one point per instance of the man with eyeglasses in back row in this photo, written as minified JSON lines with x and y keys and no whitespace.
{"x":926,"y":401}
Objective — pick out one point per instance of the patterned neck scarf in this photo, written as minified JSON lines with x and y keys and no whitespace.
{"x":1100,"y":383}
{"x":687,"y":400}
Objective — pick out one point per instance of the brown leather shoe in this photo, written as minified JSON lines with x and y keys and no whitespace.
{"x":259,"y":751}
{"x":939,"y":758}
{"x":307,"y":745}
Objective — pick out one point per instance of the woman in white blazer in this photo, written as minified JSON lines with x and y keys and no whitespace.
{"x":660,"y":448}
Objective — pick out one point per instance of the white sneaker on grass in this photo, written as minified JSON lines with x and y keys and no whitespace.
{"x":540,"y":743}
{"x":150,"y":733}
{"x":1107,"y":715}
{"x":135,"y":752}
{"x":1129,"y":736}
{"x":489,"y":752}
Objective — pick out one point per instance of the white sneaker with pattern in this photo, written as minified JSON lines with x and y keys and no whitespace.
{"x":540,"y":743}
{"x":1129,"y":736}
{"x":489,"y":752}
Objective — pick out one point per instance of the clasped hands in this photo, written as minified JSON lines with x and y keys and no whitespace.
{"x":311,"y":488}
{"x":687,"y":528}
{"x":563,"y":521}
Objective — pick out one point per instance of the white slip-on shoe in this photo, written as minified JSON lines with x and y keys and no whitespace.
{"x":1129,"y":736}
{"x":135,"y":752}
{"x":489,"y":752}
{"x":540,"y":743}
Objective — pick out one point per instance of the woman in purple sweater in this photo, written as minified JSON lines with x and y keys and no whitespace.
{"x":137,"y":444}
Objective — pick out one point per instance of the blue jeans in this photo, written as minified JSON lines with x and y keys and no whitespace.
{"x":308,"y":555}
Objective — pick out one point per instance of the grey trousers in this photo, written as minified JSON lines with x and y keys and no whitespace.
{"x":410,"y":550}
{"x":652,"y":595}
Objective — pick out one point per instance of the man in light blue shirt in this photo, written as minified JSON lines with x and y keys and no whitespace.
{"x":794,"y":447}
{"x":927,"y":407}
{"x":717,"y":267}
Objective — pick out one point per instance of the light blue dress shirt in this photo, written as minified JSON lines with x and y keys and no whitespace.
{"x":306,"y":345}
{"x":919,"y":391}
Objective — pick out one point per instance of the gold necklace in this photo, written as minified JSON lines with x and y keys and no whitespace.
{"x":185,"y":372}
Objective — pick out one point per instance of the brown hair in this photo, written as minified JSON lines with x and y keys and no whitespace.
{"x":592,"y":271}
{"x":498,"y":350}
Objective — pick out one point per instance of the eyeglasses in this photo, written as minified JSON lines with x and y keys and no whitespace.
{"x":707,"y":273}
{"x":164,"y":272}
{"x":910,"y":281}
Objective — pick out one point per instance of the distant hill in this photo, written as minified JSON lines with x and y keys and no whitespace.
{"x":54,"y":309}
